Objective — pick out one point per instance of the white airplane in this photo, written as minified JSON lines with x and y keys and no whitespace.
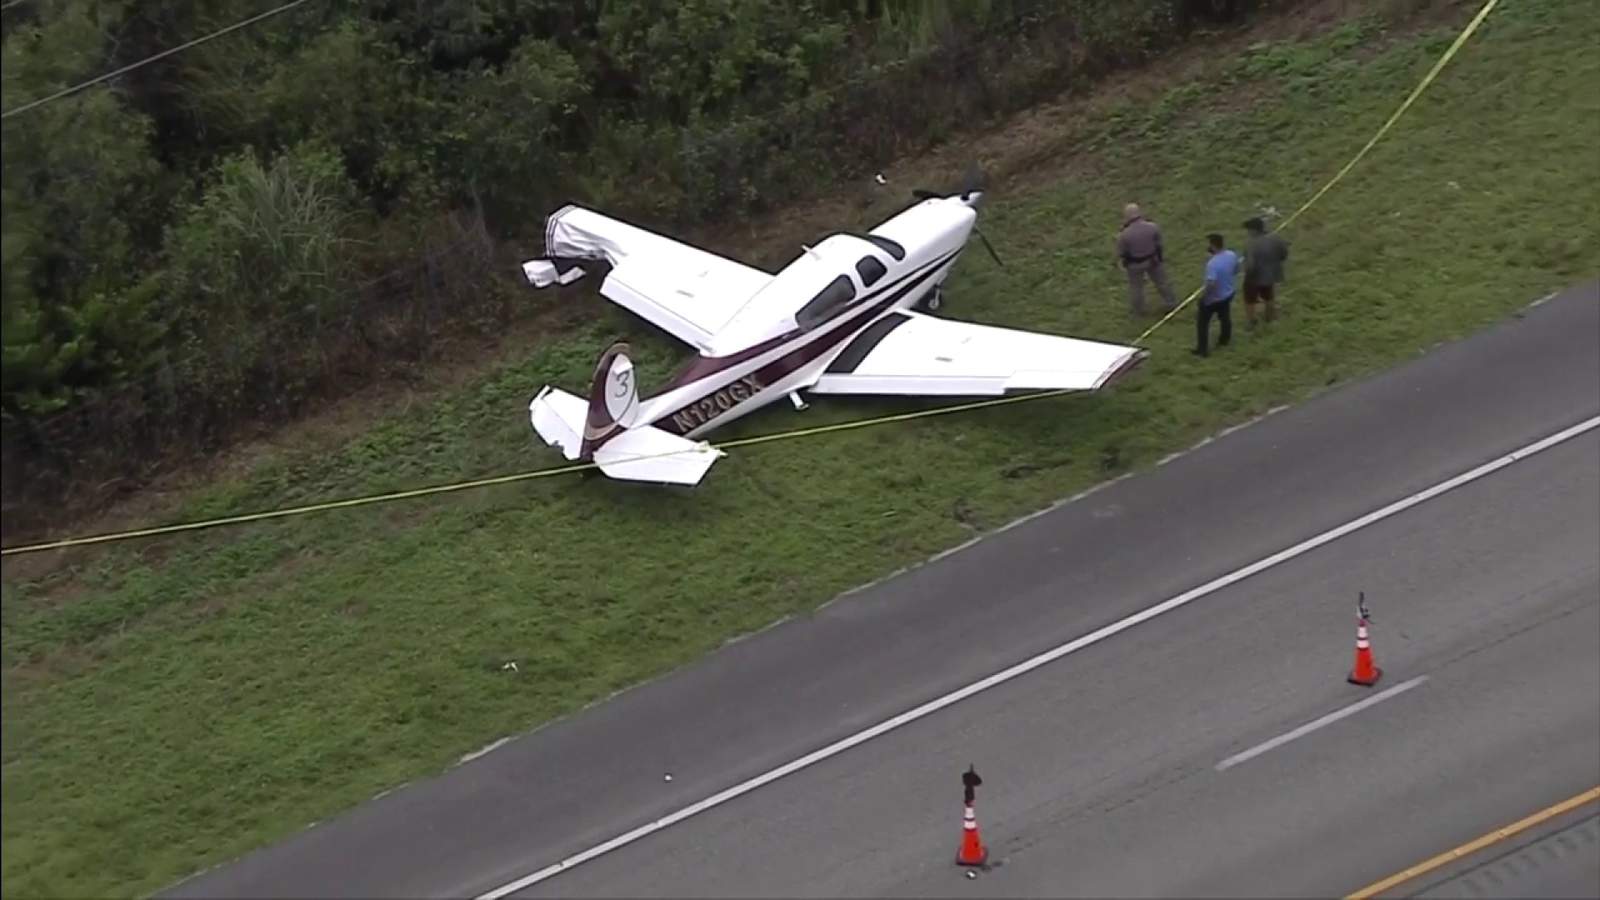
{"x":842,"y":318}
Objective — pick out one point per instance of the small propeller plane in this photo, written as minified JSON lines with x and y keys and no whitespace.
{"x":847,"y":316}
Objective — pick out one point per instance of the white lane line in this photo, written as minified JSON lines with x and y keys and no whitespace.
{"x":1328,"y":719}
{"x":1029,"y":665}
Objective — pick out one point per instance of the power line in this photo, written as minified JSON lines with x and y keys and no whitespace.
{"x":146,"y":61}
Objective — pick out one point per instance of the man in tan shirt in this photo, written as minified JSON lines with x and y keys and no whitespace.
{"x":1139,"y":250}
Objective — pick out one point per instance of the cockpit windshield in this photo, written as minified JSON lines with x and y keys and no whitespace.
{"x":827,"y":303}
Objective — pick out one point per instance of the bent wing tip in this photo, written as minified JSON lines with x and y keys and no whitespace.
{"x":1120,"y":370}
{"x":545,"y":272}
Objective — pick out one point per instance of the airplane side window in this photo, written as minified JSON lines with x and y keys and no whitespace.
{"x":871,"y":270}
{"x":834,"y":297}
{"x":888,"y":246}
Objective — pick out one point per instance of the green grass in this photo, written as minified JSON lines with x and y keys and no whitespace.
{"x":171,"y":704}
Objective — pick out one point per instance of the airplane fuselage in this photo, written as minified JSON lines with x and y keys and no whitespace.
{"x":795,"y":327}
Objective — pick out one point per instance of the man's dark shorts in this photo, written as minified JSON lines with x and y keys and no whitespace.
{"x":1254,"y":293}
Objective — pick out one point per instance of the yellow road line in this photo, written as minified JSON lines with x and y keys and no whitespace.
{"x":1488,"y":840}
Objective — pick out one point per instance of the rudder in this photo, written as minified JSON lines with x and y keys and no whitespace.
{"x":613,"y":399}
{"x":608,"y":432}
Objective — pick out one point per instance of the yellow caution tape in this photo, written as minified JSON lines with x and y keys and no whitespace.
{"x":1417,"y":92}
{"x":803,"y":432}
{"x":501,"y":479}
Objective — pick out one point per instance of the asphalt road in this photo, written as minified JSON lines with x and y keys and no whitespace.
{"x":1100,"y":768}
{"x":1100,"y":776}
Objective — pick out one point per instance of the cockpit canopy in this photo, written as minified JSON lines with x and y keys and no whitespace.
{"x":811,"y":289}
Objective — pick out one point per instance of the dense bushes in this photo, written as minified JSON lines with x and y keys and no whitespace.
{"x":232,"y":231}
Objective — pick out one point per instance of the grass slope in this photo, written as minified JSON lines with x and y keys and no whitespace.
{"x":172,"y":704}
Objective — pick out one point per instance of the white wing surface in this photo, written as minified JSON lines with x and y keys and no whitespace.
{"x":682,"y":289}
{"x":910,"y":353}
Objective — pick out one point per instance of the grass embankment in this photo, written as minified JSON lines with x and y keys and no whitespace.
{"x":170,"y":705}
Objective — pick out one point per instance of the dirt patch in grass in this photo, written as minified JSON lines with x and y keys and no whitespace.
{"x":1049,"y":142}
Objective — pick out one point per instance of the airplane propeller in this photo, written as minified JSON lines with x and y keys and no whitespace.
{"x":988,"y":246}
{"x":972,"y":181}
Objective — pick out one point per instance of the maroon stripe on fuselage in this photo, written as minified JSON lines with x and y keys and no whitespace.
{"x":705,"y":366}
{"x":708,"y":407}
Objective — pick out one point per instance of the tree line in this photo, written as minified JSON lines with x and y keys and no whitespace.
{"x":240,"y":229}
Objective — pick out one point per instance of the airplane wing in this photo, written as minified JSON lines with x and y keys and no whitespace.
{"x":911,"y":353}
{"x":682,"y":289}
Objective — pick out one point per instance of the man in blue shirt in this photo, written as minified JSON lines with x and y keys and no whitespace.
{"x":1217,"y":298}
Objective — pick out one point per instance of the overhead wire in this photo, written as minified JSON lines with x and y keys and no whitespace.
{"x":1450,"y":53}
{"x":148,"y":60}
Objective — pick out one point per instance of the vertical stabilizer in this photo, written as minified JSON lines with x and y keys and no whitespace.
{"x":613,"y":399}
{"x":613,"y":436}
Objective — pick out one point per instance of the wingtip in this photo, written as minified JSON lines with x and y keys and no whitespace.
{"x":1133,"y":360}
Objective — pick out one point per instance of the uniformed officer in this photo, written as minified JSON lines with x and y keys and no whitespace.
{"x":1140,"y":252}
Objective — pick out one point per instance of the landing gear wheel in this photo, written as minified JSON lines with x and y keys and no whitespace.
{"x":933,"y":300}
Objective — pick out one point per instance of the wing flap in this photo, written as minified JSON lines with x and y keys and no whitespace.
{"x":690,"y":299}
{"x":916,"y":354}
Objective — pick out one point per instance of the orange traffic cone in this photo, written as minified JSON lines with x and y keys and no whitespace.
{"x":1365,"y":673}
{"x":973,"y":852}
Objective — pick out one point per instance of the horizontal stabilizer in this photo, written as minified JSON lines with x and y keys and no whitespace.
{"x":557,"y":417}
{"x":638,"y":454}
{"x":650,"y":454}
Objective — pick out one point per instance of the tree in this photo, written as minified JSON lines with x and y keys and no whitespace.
{"x":83,"y":199}
{"x":255,"y":269}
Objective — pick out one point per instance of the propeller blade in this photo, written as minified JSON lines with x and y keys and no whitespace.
{"x":989,"y":246}
{"x":973,"y":180}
